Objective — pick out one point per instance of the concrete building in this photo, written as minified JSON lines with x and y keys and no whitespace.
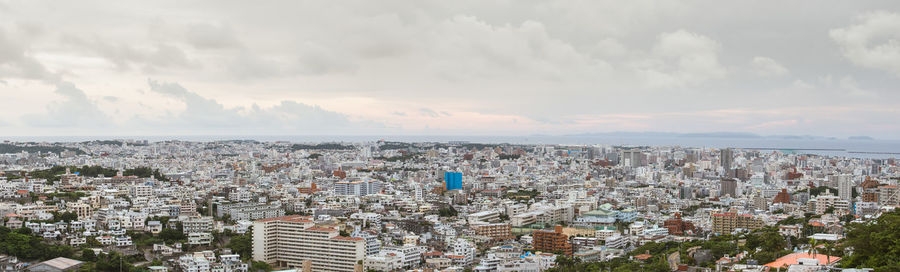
{"x":453,"y":180}
{"x":724,"y":223}
{"x":552,"y":241}
{"x":489,"y":216}
{"x":726,"y":158}
{"x":290,"y":240}
{"x":197,"y":224}
{"x":357,"y":188}
{"x":249,"y":211}
{"x":728,"y":187}
{"x":495,"y":231}
{"x":58,"y":264}
{"x":845,"y":186}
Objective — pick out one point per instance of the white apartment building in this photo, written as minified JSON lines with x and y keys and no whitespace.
{"x":83,"y":210}
{"x":250,"y":211}
{"x":844,"y":185}
{"x":200,"y":238}
{"x":489,"y":216}
{"x":288,"y":241}
{"x":141,"y":191}
{"x":410,"y":254}
{"x":464,"y":248}
{"x":616,"y":241}
{"x":556,"y":214}
{"x":357,"y":188}
{"x":197,"y":224}
{"x":383,"y":262}
{"x":824,"y":201}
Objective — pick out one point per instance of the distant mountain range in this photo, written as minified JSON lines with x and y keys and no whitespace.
{"x":733,"y":135}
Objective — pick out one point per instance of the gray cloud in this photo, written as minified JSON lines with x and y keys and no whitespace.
{"x":682,"y":59}
{"x":17,"y":62}
{"x":545,"y":63}
{"x":76,"y":110}
{"x":764,"y":66}
{"x":429,"y":113}
{"x":205,"y":114}
{"x":210,"y":36}
{"x":126,"y":56}
{"x":873,"y":42}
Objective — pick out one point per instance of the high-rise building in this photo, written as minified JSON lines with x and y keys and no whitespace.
{"x":870,"y":190}
{"x":726,"y":158}
{"x":889,"y":195}
{"x":633,"y":158}
{"x":552,"y":241}
{"x":289,"y":241}
{"x":686,"y":192}
{"x":845,"y":187}
{"x":453,"y":180}
{"x":728,"y":187}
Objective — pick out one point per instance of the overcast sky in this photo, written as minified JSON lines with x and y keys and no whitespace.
{"x":828,"y":68}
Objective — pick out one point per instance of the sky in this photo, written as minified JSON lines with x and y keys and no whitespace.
{"x":827,"y":68}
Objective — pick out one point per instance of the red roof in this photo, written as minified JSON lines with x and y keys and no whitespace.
{"x":320,"y":229}
{"x":731,"y":214}
{"x":347,"y":238}
{"x":792,"y":258}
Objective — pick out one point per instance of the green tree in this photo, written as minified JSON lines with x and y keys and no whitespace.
{"x":66,"y":216}
{"x":260,"y":266}
{"x":813,"y":247}
{"x":171,"y":235}
{"x":242,"y":245}
{"x":88,"y":255}
{"x":874,"y":244}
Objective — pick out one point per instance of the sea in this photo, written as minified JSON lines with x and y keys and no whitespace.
{"x":838,"y":147}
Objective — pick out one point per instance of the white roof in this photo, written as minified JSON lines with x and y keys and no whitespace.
{"x":62,"y":263}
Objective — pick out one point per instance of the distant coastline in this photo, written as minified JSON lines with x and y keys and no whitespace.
{"x":828,"y":146}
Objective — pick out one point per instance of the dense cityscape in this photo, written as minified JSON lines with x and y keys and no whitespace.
{"x":449,"y":136}
{"x":245,"y":205}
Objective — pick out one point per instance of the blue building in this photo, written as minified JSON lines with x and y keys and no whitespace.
{"x":453,"y":180}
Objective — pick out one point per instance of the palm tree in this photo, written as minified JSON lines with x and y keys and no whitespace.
{"x":813,"y":247}
{"x":829,"y":249}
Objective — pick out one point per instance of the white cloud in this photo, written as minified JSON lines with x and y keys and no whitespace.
{"x":76,"y":110}
{"x":850,"y":84}
{"x":429,"y":113}
{"x":682,"y":59}
{"x":127,"y":56}
{"x":16,"y":61}
{"x":468,"y":47}
{"x":800,"y":84}
{"x":206,"y":114}
{"x":873,"y":42}
{"x":211,"y":36}
{"x":764,"y":66}
{"x":470,"y":61}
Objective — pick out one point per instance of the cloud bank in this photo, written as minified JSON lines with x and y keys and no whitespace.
{"x":437,"y":67}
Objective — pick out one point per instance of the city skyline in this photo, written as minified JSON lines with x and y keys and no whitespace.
{"x":449,"y":136}
{"x":439,"y":68}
